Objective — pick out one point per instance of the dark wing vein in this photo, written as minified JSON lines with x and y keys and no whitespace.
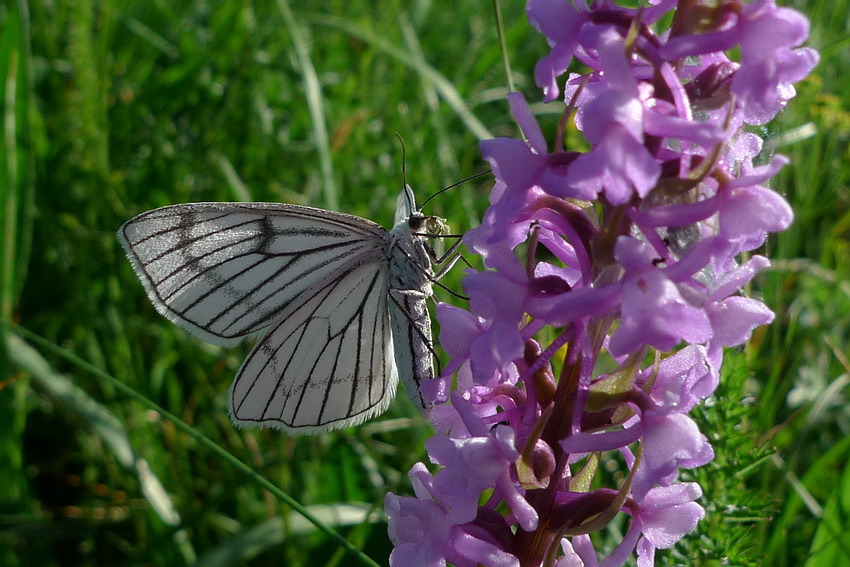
{"x":306,"y":373}
{"x":332,"y":382}
{"x":226,"y":270}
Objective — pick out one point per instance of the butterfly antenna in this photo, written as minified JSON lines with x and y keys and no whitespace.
{"x":453,"y":185}
{"x":403,"y":160}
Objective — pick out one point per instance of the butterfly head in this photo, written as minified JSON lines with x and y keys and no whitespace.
{"x":423,"y":224}
{"x":409,"y":218}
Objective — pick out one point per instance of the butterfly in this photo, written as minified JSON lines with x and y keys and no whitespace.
{"x":339,"y":302}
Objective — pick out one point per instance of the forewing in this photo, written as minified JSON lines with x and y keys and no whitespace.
{"x":227,"y":270}
{"x":328,"y":364}
{"x":404,"y":205}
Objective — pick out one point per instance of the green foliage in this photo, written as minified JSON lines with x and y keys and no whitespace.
{"x":114,"y":108}
{"x":729,"y":533}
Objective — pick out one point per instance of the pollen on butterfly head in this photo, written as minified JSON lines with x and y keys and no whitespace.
{"x":436,"y":225}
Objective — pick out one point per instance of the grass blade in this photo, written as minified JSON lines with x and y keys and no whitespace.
{"x":200,"y":438}
{"x":443,"y":85}
{"x":106,"y":426}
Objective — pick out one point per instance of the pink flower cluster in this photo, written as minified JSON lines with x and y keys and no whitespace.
{"x":612,"y":287}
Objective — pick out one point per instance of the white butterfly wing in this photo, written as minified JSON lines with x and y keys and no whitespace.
{"x":331,"y":292}
{"x":226,"y":270}
{"x":328,"y":364}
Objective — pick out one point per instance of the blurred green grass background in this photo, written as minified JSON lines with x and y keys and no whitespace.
{"x":113,"y":108}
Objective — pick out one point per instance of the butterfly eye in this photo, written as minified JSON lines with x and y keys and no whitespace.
{"x":416,"y":221}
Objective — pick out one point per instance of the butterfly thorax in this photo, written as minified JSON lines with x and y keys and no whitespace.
{"x":410,"y":261}
{"x":411,"y":277}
